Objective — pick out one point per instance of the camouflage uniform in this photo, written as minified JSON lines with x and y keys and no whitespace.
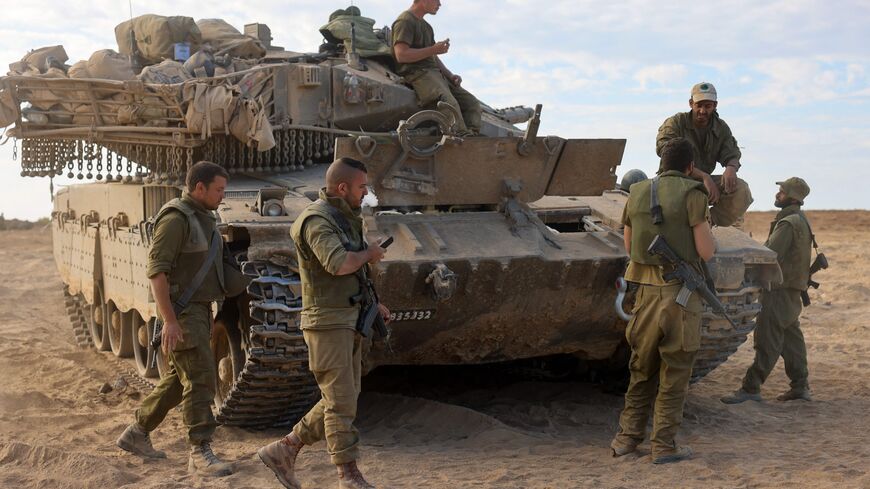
{"x":664,"y":337}
{"x":180,"y":243}
{"x":777,"y":331}
{"x":425,"y":75}
{"x":329,"y":325}
{"x":715,"y":143}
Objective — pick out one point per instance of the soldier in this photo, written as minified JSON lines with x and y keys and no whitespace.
{"x":711,"y":142}
{"x":331,"y":249}
{"x":664,"y":337}
{"x":778,"y":329}
{"x":184,"y":233}
{"x":416,"y":54}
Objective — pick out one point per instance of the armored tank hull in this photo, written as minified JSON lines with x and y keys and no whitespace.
{"x":507,"y":246}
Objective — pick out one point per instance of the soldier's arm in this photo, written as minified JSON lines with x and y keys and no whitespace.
{"x":626,"y":229}
{"x":667,"y":131}
{"x":780,"y":239}
{"x":406,"y":54}
{"x":327,"y":247}
{"x":170,"y":233}
{"x":699,"y":213}
{"x":729,"y":152}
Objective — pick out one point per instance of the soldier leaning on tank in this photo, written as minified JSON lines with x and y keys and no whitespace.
{"x":664,"y":337}
{"x":182,"y":235}
{"x":778,"y":328}
{"x":417,"y":60}
{"x":712,"y":142}
{"x":329,"y":257}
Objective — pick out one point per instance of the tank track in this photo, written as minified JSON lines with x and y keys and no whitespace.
{"x":275,"y":387}
{"x":719,"y":340}
{"x":75,"y":309}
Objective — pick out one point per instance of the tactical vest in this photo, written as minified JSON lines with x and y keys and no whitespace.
{"x":673,"y":190}
{"x":321,"y":289}
{"x":795,"y":263}
{"x":193,"y":253}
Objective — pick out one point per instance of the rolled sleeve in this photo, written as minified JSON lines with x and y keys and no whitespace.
{"x":169,"y":237}
{"x":403,"y":32}
{"x":728,"y":150}
{"x":325,"y":243}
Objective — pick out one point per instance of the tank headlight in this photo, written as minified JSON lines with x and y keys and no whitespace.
{"x":273,"y":208}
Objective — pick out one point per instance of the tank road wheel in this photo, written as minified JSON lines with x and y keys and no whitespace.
{"x":97,"y":322}
{"x":119,"y":331}
{"x":140,"y":332}
{"x":229,"y":359}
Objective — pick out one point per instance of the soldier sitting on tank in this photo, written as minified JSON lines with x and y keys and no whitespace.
{"x":182,"y":240}
{"x":712,"y":142}
{"x":416,"y":54}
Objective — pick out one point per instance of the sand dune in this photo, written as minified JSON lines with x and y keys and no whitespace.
{"x":57,"y":431}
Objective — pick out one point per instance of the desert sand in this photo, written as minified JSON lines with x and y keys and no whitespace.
{"x":57,"y":431}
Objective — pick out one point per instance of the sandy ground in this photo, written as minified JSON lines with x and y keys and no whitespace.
{"x":57,"y":431}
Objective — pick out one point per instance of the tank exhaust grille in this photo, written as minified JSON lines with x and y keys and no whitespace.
{"x":309,"y":76}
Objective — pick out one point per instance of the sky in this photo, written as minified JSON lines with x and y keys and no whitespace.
{"x":793,"y":76}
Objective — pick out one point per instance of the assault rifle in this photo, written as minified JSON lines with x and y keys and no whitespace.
{"x":370,"y":315}
{"x":690,"y":278}
{"x":820,"y":263}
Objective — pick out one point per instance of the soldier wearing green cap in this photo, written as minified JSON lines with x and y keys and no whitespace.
{"x":712,"y":142}
{"x":778,"y":331}
{"x":417,"y":60}
{"x":663,"y":335}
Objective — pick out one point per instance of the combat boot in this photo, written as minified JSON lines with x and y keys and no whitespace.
{"x":739,"y":396}
{"x":280,"y":457}
{"x":678,"y":453}
{"x":204,"y":462}
{"x":349,"y":477}
{"x":795,"y":394}
{"x":136,"y":440}
{"x":620,"y":447}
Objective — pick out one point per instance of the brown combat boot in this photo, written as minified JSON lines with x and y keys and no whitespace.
{"x":280,"y":457}
{"x":795,"y":394}
{"x":677,"y":454}
{"x":204,"y":462}
{"x":349,"y":477}
{"x":622,"y":446}
{"x":136,"y":440}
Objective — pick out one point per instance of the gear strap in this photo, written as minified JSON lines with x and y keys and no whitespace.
{"x":181,"y":303}
{"x":655,"y":207}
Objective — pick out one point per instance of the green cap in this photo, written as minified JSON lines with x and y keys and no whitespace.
{"x":703,"y":91}
{"x":796,"y":188}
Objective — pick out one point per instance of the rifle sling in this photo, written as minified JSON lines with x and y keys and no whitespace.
{"x":655,"y":207}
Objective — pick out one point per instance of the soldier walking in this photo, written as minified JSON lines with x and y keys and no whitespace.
{"x":778,"y":328}
{"x":331,"y":248}
{"x":712,"y":142}
{"x":664,"y":336}
{"x":185,"y":232}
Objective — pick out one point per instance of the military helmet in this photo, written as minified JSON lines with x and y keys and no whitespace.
{"x":795,"y":188}
{"x":630,"y":178}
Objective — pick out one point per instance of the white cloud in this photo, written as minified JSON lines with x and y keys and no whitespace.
{"x":660,"y":75}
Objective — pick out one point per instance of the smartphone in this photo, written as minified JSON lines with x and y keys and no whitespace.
{"x":387,"y":242}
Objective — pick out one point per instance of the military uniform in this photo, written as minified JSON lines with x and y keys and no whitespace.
{"x":329,"y":324}
{"x":664,"y":337}
{"x":425,"y":75}
{"x":777,"y":330}
{"x":180,"y":243}
{"x":712,"y":144}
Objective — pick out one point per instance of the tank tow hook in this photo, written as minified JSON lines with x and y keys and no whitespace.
{"x":621,"y":288}
{"x":443,"y":282}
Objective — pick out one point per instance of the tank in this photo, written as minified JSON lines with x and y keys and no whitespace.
{"x":507,"y":246}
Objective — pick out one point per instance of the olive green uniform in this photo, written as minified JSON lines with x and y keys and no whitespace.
{"x":425,"y":75}
{"x":181,"y":239}
{"x":664,"y":337}
{"x":712,"y":144}
{"x":329,"y":325}
{"x":777,"y":330}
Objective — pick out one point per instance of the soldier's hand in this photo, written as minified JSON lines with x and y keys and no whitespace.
{"x":376,"y":254}
{"x":712,"y":189}
{"x":170,"y":337}
{"x":729,"y":179}
{"x":441,"y":47}
{"x":385,"y":313}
